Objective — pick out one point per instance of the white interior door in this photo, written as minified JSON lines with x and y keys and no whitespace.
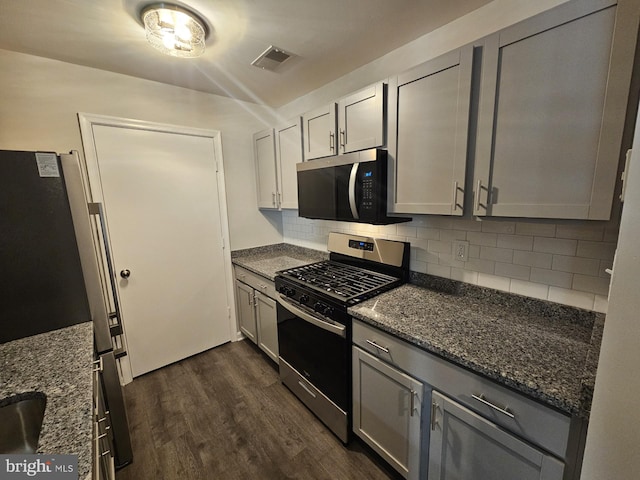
{"x":161,"y":201}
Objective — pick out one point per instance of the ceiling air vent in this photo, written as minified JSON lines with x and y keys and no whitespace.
{"x":271,"y":58}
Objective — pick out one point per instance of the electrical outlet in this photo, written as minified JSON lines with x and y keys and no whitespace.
{"x":461,"y":250}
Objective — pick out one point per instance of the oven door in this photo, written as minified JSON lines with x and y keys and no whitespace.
{"x":316,"y":349}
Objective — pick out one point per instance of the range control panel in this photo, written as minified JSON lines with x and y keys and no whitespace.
{"x":358,"y":245}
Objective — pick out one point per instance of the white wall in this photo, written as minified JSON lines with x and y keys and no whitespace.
{"x":613,"y":440}
{"x":41,"y":99}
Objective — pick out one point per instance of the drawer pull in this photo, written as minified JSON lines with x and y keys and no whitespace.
{"x":379,"y":347}
{"x":504,"y":411}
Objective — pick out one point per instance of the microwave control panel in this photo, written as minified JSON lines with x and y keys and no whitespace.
{"x":368,"y":193}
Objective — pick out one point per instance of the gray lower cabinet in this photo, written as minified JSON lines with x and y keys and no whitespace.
{"x":553,"y":100}
{"x":256,"y":311}
{"x":387,"y":412}
{"x":465,"y":446}
{"x":267,"y":325}
{"x":246,"y":311}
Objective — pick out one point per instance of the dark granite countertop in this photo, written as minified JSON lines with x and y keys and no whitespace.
{"x":58,"y":364}
{"x":546,"y":351}
{"x":269,"y":259}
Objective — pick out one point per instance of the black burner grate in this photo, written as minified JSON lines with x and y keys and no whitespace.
{"x":339,"y":280}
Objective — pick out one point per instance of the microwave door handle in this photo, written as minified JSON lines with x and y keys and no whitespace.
{"x":352,"y":191}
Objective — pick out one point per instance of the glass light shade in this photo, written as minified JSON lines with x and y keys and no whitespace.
{"x":174,"y":31}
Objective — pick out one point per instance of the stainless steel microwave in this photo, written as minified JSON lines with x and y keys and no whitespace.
{"x":348,"y":188}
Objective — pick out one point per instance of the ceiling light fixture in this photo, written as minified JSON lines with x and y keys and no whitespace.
{"x":174,"y":30}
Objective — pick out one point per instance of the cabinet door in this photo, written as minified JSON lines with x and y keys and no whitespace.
{"x":246,"y":311}
{"x":265,"y":160}
{"x":361,"y":119}
{"x":319,"y":132}
{"x":267,"y":325}
{"x":552,"y":111}
{"x":428,"y":132}
{"x":387,"y":408}
{"x":288,"y":154}
{"x":466,"y":446}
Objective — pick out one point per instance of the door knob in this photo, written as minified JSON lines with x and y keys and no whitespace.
{"x":125,"y":273}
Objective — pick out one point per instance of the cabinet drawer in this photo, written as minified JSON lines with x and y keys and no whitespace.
{"x":541,"y":425}
{"x":258,"y":282}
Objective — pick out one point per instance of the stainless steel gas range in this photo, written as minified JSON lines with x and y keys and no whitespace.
{"x":314,"y":328}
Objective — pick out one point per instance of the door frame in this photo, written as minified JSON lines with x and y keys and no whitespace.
{"x":91,"y":172}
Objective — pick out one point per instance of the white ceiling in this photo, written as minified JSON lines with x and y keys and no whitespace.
{"x":329,"y":38}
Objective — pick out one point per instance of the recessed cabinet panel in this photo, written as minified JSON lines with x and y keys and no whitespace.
{"x":361,"y":119}
{"x":288,"y":153}
{"x":267,"y":323}
{"x":245,"y":311}
{"x":551,"y":115}
{"x":466,"y":446}
{"x":428,"y":132}
{"x":387,"y":412}
{"x":265,"y":161}
{"x":319,"y":128}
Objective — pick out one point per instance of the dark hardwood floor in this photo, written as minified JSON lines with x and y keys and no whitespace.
{"x":224,"y":414}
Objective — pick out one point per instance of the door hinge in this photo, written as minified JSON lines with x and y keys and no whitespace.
{"x":623,"y":177}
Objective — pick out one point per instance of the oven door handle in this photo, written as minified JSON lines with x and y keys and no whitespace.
{"x":336,"y":329}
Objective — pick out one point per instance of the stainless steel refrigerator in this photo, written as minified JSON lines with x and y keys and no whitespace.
{"x":51,"y":264}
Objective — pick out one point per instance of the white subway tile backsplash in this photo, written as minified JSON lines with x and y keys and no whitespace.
{"x":529,"y":289}
{"x":452,"y":235}
{"x":464,"y":276}
{"x":588,"y":283}
{"x":516,"y":242}
{"x":489,"y":226}
{"x":439,"y":270}
{"x":551,"y":277}
{"x":593,"y":232}
{"x":536,"y":229}
{"x":571,"y":297}
{"x":586,"y":266}
{"x":429,"y":233}
{"x":497,"y":254}
{"x":486,"y":239}
{"x":493,"y":281}
{"x":562,"y":262}
{"x":437,"y":246}
{"x":532,"y":259}
{"x":510,"y":270}
{"x":601,"y":304}
{"x":555,"y":245}
{"x":600,"y":250}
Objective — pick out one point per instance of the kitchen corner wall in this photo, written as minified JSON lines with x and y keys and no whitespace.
{"x":560,"y":262}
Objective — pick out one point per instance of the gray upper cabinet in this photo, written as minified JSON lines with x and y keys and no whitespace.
{"x":553,"y":100}
{"x":265,"y":161}
{"x":288,"y":137}
{"x":356,"y":123}
{"x":319,"y":128}
{"x":428,"y":132}
{"x":361,"y":119}
{"x":466,"y":446}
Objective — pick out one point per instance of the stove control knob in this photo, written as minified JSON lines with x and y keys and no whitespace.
{"x":327,"y":311}
{"x":304,"y":299}
{"x":318,"y":307}
{"x":290,"y":292}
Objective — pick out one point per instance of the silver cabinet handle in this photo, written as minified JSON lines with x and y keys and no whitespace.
{"x":306,"y":389}
{"x":352,"y":191}
{"x":273,"y":198}
{"x":279,"y":199}
{"x":412,"y":403}
{"x":504,"y":411}
{"x":98,"y":364}
{"x":434,"y":410}
{"x":456,"y":205}
{"x":343,"y":142}
{"x":379,"y":347}
{"x":332,"y":142}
